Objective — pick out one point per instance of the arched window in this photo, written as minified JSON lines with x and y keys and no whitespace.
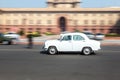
{"x":62,"y":23}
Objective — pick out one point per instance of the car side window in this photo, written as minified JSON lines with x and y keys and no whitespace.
{"x":67,"y":38}
{"x":78,"y":38}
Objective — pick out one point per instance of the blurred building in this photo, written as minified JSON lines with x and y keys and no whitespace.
{"x":59,"y":16}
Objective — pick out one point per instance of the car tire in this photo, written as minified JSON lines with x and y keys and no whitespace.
{"x":9,"y":42}
{"x":86,"y":51}
{"x":52,"y":50}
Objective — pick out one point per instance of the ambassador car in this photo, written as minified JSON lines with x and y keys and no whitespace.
{"x":72,"y":42}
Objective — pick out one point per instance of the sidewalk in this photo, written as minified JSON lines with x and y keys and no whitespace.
{"x":42,"y":39}
{"x":111,"y":41}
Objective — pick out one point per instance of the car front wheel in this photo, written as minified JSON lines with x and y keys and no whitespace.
{"x":86,"y":51}
{"x":52,"y":50}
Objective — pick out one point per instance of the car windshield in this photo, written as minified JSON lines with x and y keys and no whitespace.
{"x":65,"y":38}
{"x":60,"y":38}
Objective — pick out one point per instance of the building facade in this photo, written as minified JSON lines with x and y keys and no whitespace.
{"x":59,"y":16}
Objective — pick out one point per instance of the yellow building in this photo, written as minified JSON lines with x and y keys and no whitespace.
{"x":61,"y":15}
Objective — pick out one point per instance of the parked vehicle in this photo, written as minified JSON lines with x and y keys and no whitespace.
{"x":99,"y":36}
{"x":89,"y":34}
{"x":5,"y":40}
{"x":72,"y":42}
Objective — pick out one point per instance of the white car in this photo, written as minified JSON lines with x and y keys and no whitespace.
{"x":14,"y":36}
{"x":72,"y":42}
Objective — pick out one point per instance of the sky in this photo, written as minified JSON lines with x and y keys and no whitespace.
{"x":42,"y":3}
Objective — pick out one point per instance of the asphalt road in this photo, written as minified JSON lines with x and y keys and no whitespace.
{"x":19,"y":63}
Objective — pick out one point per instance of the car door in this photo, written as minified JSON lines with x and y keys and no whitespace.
{"x":78,"y":42}
{"x":66,"y":43}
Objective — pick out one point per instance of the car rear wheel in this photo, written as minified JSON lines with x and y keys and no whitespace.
{"x":87,"y":51}
{"x":52,"y":50}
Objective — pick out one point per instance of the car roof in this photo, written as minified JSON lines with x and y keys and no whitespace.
{"x":74,"y":33}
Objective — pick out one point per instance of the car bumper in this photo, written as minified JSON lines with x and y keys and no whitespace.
{"x":44,"y":48}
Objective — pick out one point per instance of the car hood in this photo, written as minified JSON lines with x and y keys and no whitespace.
{"x":51,"y":41}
